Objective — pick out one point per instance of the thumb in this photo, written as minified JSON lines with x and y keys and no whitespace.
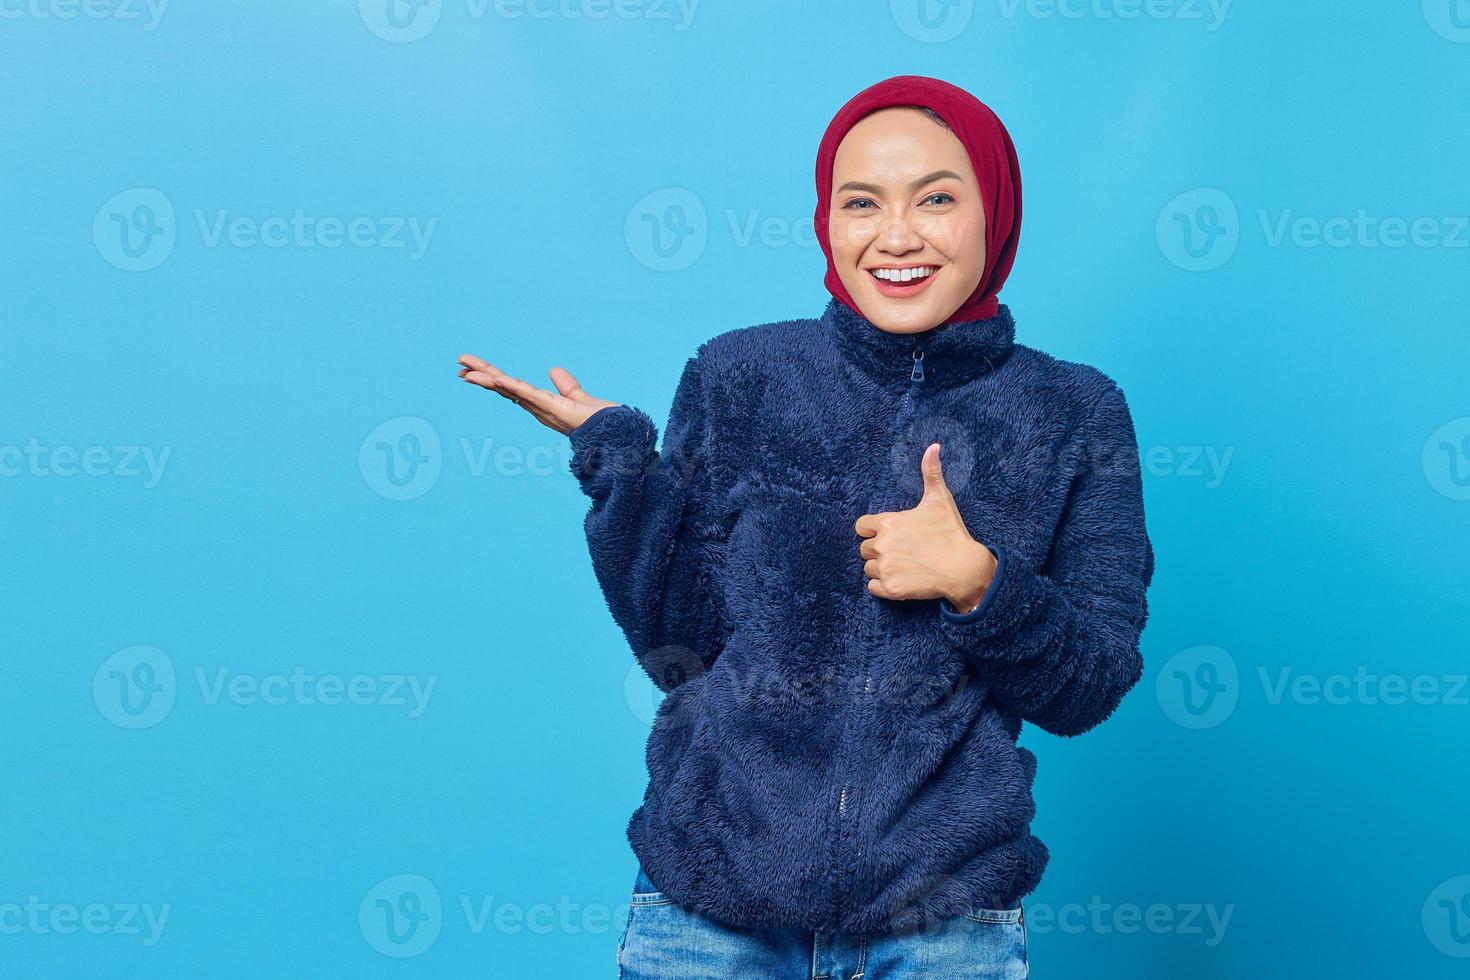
{"x":934,"y":485}
{"x":566,"y":385}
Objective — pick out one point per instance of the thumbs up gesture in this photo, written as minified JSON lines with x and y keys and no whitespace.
{"x":926,"y":552}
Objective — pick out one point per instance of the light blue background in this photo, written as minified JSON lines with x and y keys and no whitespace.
{"x":1331,"y":537}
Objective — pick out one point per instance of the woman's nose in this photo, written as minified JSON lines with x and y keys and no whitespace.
{"x":898,"y":234}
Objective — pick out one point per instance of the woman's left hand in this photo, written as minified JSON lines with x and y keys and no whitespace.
{"x":926,"y":552}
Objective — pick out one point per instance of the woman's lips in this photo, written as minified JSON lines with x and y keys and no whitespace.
{"x":901,"y":290}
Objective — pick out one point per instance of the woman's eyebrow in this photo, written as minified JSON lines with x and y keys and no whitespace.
{"x":857,"y":185}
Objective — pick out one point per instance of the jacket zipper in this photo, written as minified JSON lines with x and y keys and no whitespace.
{"x":916,"y":375}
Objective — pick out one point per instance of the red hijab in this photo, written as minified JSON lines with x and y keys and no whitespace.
{"x":991,"y":155}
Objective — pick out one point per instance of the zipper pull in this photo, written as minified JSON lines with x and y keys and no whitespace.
{"x":918,"y":374}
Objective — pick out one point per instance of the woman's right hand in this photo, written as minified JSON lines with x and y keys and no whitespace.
{"x":563,"y":411}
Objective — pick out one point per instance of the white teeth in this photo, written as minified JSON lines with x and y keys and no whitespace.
{"x":911,"y":274}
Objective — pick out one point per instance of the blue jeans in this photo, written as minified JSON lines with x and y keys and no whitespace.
{"x":664,"y":941}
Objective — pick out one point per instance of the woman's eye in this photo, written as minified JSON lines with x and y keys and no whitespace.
{"x":853,"y":204}
{"x":939,"y":197}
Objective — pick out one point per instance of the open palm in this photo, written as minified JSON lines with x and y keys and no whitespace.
{"x":563,"y":410}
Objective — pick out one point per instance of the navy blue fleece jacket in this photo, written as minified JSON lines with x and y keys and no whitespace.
{"x":824,"y":758}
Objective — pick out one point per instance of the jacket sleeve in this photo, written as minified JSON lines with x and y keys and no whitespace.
{"x":1059,"y":644}
{"x":656,"y":542}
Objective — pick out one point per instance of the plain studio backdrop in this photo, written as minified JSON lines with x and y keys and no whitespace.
{"x":305,"y":672}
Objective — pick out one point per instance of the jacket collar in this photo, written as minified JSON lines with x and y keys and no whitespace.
{"x":951,"y":353}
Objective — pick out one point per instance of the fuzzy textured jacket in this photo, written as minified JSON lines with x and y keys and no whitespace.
{"x":823,"y":758}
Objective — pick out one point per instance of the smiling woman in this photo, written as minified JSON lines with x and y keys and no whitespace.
{"x":795,"y":563}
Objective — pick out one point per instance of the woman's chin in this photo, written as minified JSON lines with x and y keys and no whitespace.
{"x":901,"y":315}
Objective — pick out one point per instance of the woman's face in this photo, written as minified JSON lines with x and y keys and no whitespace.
{"x":904,"y":197}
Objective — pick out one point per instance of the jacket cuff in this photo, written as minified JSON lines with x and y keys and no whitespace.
{"x":612,"y":441}
{"x":947,"y":609}
{"x":1005,"y":606}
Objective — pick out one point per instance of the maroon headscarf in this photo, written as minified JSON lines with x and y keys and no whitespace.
{"x":991,"y":155}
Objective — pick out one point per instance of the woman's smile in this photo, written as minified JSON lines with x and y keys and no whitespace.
{"x":902,"y":280}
